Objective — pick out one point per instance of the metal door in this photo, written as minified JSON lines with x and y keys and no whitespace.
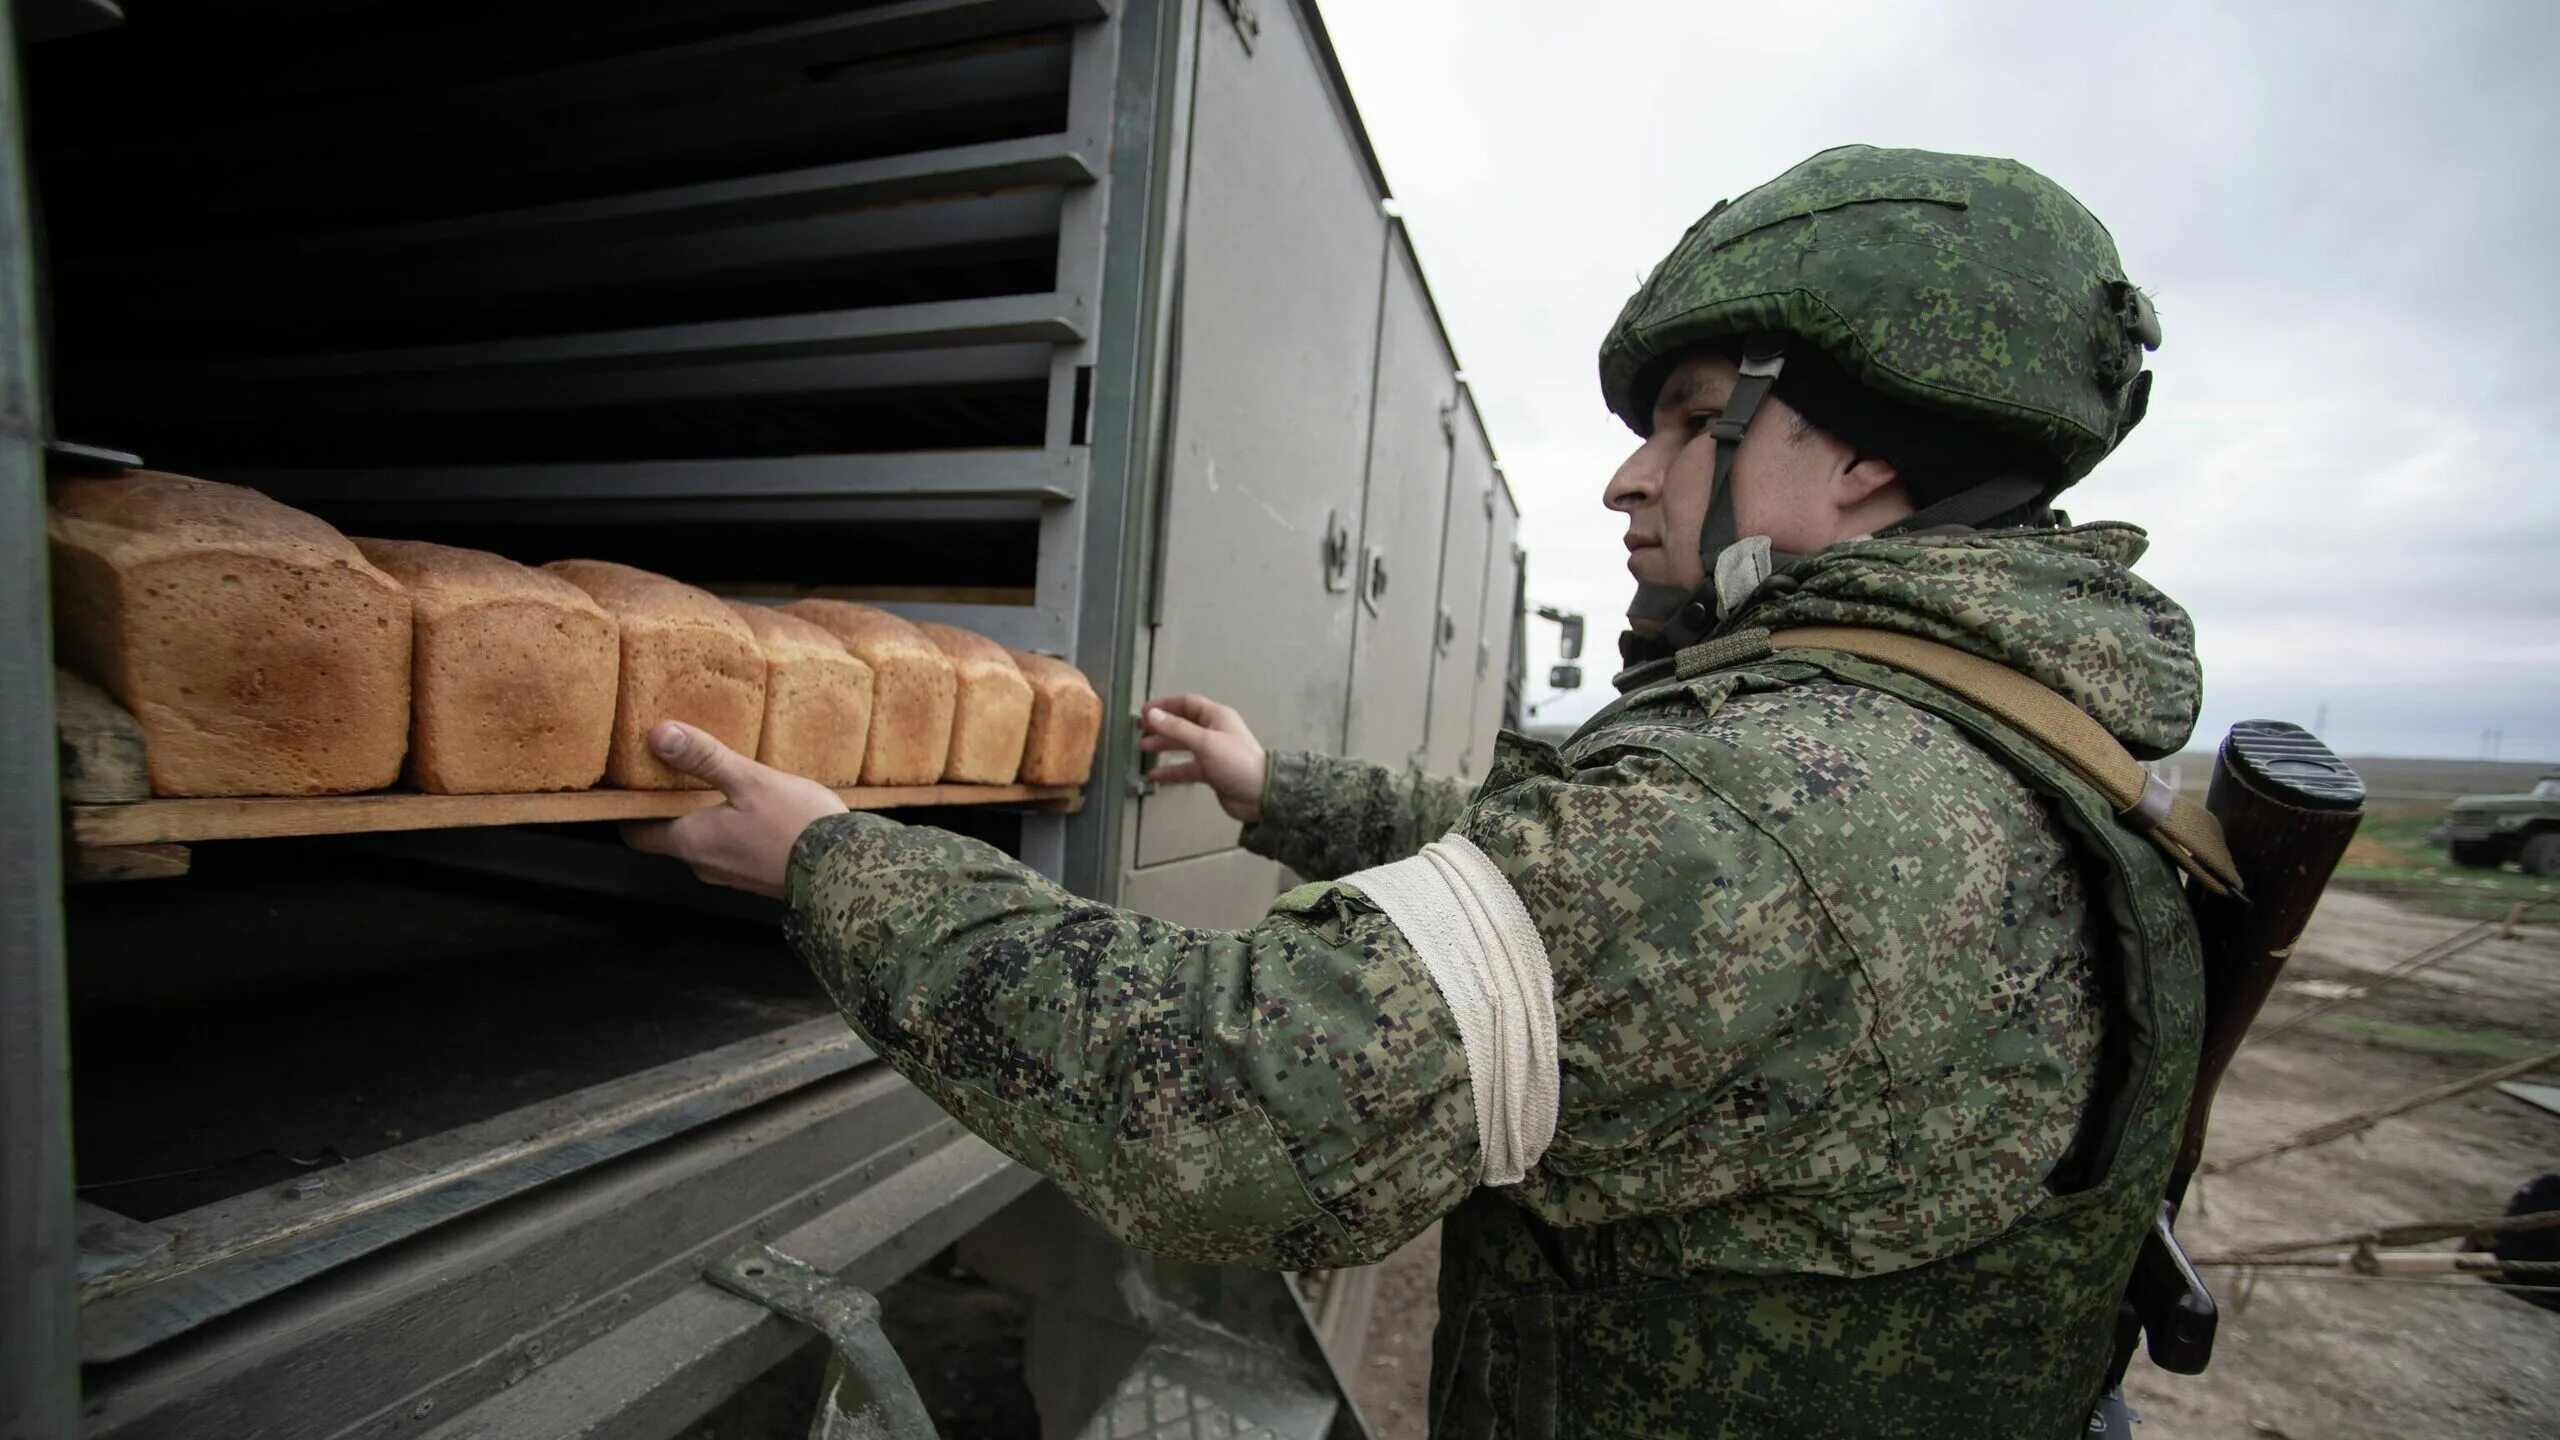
{"x":1397,"y":627}
{"x":1473,"y":498}
{"x":1503,"y":562}
{"x":1277,"y":333}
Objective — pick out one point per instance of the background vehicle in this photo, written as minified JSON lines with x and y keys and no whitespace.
{"x":2486,"y":830}
{"x":1081,"y":323}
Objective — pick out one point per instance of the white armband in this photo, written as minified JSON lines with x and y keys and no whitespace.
{"x":1459,"y":912}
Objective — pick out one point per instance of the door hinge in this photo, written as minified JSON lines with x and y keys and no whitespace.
{"x":1248,"y":22}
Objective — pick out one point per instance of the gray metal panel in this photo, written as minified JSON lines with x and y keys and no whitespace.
{"x":1277,"y":334}
{"x":1501,"y":615}
{"x":475,"y":1306}
{"x":497,"y":392}
{"x":661,"y":1370}
{"x":1044,"y":475}
{"x":1462,"y":579}
{"x":1131,"y":398}
{"x":39,"y":1376}
{"x":1223,"y":890}
{"x":1024,"y":627}
{"x":832,"y":40}
{"x":955,"y":170}
{"x":1402,"y":518}
{"x":590,"y":261}
{"x":242,"y":1249}
{"x":1057,"y":568}
{"x":992,"y":321}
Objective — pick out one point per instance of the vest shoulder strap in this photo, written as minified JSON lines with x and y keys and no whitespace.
{"x":2183,"y":830}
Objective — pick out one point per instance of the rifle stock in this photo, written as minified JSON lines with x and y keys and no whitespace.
{"x":2287,"y":807}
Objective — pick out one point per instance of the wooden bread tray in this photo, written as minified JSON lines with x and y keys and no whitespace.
{"x":159,"y":822}
{"x":105,"y":781}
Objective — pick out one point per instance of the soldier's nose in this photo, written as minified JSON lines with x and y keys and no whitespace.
{"x":1637,"y":481}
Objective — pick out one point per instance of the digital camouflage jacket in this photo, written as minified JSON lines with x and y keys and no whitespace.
{"x":1842,"y":976}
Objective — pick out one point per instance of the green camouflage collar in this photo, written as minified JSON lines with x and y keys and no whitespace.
{"x":2061,"y":606}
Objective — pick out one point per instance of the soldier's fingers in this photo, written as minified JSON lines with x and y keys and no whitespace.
{"x":1187,"y":772}
{"x":1158,"y":744}
{"x":1183,"y":733}
{"x":701,"y":756}
{"x":1198,"y":709}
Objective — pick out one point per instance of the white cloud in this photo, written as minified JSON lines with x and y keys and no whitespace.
{"x":2343,"y":209}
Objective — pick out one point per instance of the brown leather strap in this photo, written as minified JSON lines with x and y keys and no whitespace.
{"x":2184,"y":830}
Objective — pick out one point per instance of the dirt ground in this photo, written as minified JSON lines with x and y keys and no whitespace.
{"x":2303,"y":1357}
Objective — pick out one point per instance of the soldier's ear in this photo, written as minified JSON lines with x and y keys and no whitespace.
{"x":1861,"y":479}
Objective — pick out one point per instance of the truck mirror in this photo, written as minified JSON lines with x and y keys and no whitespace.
{"x":1564,"y":677}
{"x":1569,"y":644}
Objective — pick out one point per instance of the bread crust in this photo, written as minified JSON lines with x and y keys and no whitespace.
{"x":914,"y":689}
{"x":994,"y":710}
{"x":817,"y":698}
{"x":514,"y":675}
{"x":259,"y":650}
{"x":1066,"y":721}
{"x":684,"y":657}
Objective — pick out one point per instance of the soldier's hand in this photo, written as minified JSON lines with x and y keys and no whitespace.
{"x":1224,"y":755}
{"x":746,"y":843}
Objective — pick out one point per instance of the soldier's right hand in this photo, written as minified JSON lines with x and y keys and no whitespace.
{"x":1224,"y":755}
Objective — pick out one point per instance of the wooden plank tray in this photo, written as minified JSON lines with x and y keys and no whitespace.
{"x":162,"y":822}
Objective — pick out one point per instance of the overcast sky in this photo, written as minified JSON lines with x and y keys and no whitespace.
{"x":2347,"y":212}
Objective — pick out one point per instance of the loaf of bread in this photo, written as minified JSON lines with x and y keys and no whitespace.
{"x":684,"y":657}
{"x":514,"y":672}
{"x":1066,"y":721}
{"x":994,"y":711}
{"x":817,"y":698}
{"x":913,"y":689}
{"x":260,"y":651}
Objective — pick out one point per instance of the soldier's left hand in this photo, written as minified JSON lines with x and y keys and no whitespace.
{"x":746,"y":843}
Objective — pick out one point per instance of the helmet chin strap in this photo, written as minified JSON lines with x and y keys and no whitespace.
{"x":1731,"y":567}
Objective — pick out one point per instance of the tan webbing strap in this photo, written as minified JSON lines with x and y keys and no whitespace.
{"x":2184,"y":830}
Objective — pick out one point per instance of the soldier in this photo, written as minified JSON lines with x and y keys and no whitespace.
{"x":1797,"y":1050}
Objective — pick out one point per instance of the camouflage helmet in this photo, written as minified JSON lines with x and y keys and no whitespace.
{"x":1959,"y":284}
{"x":1960,"y":287}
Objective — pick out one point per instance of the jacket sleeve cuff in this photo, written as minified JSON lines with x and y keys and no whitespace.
{"x":855,"y":829}
{"x":1286,"y":810}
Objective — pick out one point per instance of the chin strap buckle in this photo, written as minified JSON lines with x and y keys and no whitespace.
{"x":1720,"y":534}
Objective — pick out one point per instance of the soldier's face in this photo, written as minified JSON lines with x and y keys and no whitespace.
{"x":1788,"y":478}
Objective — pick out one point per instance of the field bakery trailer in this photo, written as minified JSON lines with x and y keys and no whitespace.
{"x":1080,"y":324}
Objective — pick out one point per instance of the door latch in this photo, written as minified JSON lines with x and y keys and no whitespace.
{"x":1337,"y":553}
{"x":1248,"y":22}
{"x":1373,"y":577}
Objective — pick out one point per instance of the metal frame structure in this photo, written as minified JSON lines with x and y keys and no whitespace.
{"x":38,"y":1317}
{"x":462,"y":362}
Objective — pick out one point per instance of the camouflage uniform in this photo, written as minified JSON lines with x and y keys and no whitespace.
{"x":1857,"y":1033}
{"x":1827,"y":978}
